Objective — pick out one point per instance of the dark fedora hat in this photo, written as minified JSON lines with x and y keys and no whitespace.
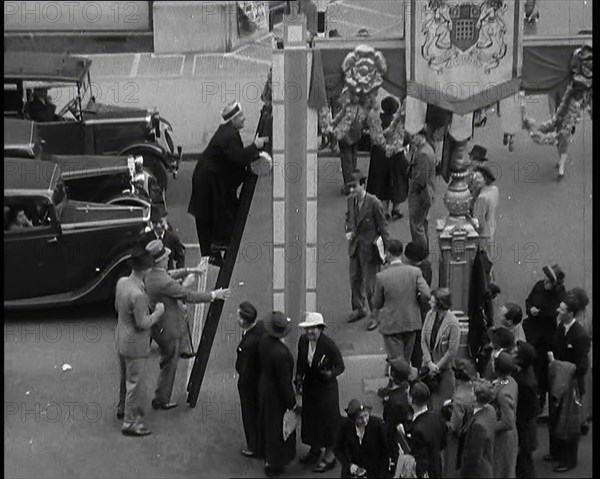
{"x":486,"y":172}
{"x":157,"y":213}
{"x":355,"y":406}
{"x":357,"y":177}
{"x":278,"y":325}
{"x":554,"y":273}
{"x":141,"y":260}
{"x":414,"y":252}
{"x":478,"y":153}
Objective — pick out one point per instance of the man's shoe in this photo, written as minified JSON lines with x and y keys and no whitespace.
{"x":164,"y":406}
{"x":187,"y":355}
{"x":562,"y":469}
{"x":216,"y":259}
{"x":248,"y":453}
{"x":137,"y":430}
{"x":356,"y":315}
{"x":120,"y":415}
{"x":324,"y":466}
{"x":550,"y":458}
{"x":373,"y":325}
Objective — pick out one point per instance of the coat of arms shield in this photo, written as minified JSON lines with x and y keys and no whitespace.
{"x":465,"y":30}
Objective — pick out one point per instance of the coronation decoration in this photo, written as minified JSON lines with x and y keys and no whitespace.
{"x":364,"y":69}
{"x":577,"y":98}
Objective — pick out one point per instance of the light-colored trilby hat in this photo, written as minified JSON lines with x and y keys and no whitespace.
{"x":230,"y":111}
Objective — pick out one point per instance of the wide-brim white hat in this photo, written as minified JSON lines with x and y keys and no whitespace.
{"x":230,"y":111}
{"x":312,"y":320}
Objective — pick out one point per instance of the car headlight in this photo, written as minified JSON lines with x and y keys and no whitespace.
{"x":138,"y":162}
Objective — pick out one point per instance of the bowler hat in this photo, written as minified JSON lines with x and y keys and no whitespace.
{"x":312,"y":320}
{"x":554,"y":273}
{"x":355,"y":406}
{"x":478,"y":153}
{"x":157,"y":213}
{"x":157,"y":250}
{"x":581,"y":296}
{"x":486,"y":172}
{"x":141,"y":260}
{"x":278,"y":325}
{"x":414,"y":252}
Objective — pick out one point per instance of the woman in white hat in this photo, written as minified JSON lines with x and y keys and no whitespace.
{"x":319,"y":363}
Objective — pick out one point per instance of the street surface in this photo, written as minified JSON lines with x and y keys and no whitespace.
{"x":63,"y":423}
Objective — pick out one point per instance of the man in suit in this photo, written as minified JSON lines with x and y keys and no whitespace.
{"x":421,"y":189}
{"x":362,"y":443}
{"x":571,"y":343}
{"x":365,"y":221}
{"x":161,"y":231}
{"x":426,"y":433}
{"x":398,"y":291}
{"x":247,"y":366}
{"x":485,"y":205}
{"x":167,"y":332}
{"x":132,"y":335}
{"x":217,"y":176}
{"x":477,"y":449}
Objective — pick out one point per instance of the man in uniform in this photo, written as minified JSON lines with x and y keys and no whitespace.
{"x":217,"y":176}
{"x":132,"y":335}
{"x":421,"y":189}
{"x":167,"y":332}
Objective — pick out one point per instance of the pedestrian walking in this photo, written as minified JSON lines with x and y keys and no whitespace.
{"x":421,"y":188}
{"x":485,"y":205}
{"x":365,"y":222}
{"x":439,"y":342}
{"x":388,"y":175}
{"x":426,"y":433}
{"x":461,"y":408}
{"x":541,"y":307}
{"x":528,"y":408}
{"x":247,"y":366}
{"x":361,"y":445}
{"x":477,"y":453}
{"x":217,"y":176}
{"x":506,"y":394}
{"x":133,"y":346}
{"x":571,"y":344}
{"x":416,"y":256}
{"x":398,"y":291}
{"x":319,"y":364}
{"x":275,"y":395}
{"x":167,"y":332}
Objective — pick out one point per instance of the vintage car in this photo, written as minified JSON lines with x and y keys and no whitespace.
{"x":81,"y":125}
{"x":58,"y":251}
{"x":100,"y":179}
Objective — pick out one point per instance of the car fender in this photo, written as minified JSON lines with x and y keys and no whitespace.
{"x":139,"y":148}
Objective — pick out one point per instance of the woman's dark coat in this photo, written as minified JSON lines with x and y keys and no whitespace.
{"x":275,"y":396}
{"x":388,"y":175}
{"x":320,"y":396}
{"x":480,"y":303}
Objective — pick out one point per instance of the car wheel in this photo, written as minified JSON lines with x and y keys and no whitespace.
{"x":154,"y":167}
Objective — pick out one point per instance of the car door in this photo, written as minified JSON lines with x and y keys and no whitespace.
{"x":65,"y":137}
{"x":33,"y":255}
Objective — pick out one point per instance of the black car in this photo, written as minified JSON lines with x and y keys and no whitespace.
{"x":100,"y":179}
{"x":58,"y":251}
{"x":82,"y":125}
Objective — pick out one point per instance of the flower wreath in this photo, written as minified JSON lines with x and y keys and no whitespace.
{"x":577,"y":98}
{"x":364,"y":69}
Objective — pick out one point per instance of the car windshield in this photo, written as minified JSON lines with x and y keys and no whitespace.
{"x":61,"y":93}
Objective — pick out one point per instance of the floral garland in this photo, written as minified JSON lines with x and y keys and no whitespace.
{"x":577,"y":99}
{"x":392,"y":138}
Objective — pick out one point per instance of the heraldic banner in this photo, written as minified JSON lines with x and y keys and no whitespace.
{"x":463,"y":55}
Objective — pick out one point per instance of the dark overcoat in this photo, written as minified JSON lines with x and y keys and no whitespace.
{"x":477,"y":458}
{"x":320,"y":396}
{"x":275,"y":396}
{"x":528,"y":408}
{"x":372,"y":454}
{"x":218,"y":174}
{"x":573,"y":347}
{"x":427,"y":440}
{"x":480,"y":313}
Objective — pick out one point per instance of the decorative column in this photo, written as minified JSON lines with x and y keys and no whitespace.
{"x":294,"y":175}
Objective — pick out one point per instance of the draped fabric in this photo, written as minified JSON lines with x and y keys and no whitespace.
{"x":545,"y":69}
